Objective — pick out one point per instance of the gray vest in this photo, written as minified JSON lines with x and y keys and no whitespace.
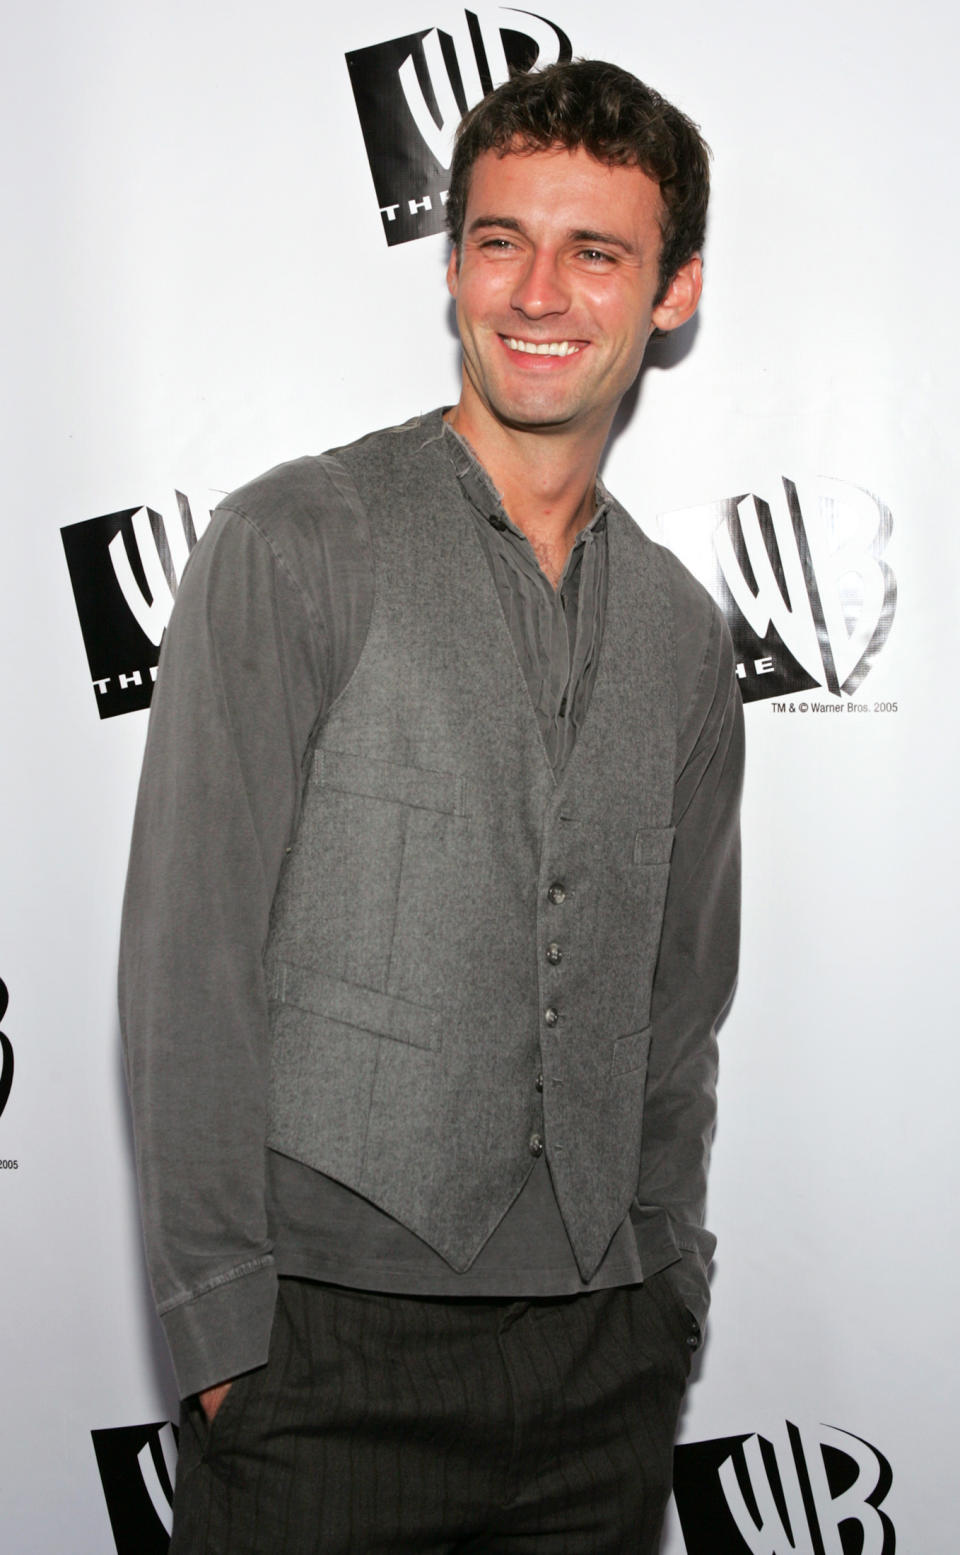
{"x":461,"y":950}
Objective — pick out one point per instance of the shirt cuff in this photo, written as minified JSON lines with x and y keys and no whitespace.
{"x":692,"y":1285}
{"x":224,"y":1331}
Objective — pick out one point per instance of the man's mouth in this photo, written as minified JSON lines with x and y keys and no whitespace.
{"x":544,"y":347}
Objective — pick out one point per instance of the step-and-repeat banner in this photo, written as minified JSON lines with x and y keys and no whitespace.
{"x":226,"y":250}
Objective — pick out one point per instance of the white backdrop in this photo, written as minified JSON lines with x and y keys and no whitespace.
{"x":198,"y":286}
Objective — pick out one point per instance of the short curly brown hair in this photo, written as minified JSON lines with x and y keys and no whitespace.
{"x":614,"y":117}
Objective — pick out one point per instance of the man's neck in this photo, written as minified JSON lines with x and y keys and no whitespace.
{"x":547,"y":482}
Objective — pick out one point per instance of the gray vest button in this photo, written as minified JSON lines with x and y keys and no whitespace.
{"x":550,"y":1015}
{"x":557,"y":893}
{"x":536,"y":1145}
{"x":538,"y":1082}
{"x":554,"y":953}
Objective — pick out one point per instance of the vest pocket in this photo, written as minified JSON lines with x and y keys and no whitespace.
{"x":650,"y":870}
{"x":630,"y":1053}
{"x":417,"y":788}
{"x":653,"y":845}
{"x":365,"y":1008}
{"x":373,"y":883}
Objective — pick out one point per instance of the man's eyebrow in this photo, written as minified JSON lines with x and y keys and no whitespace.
{"x":509,"y":222}
{"x":610,"y":239}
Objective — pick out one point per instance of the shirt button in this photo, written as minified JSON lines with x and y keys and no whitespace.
{"x":550,"y":1015}
{"x":536,"y":1145}
{"x":554,"y":953}
{"x":538,"y":1082}
{"x":557,"y":893}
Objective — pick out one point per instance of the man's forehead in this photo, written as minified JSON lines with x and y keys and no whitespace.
{"x":520,"y":182}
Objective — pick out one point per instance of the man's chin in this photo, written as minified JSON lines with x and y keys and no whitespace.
{"x":534,"y":418}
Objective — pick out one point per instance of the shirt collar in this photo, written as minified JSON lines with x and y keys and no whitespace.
{"x":483,"y":495}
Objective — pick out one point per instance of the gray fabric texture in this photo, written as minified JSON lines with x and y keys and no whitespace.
{"x":407,"y":949}
{"x":297,"y":543}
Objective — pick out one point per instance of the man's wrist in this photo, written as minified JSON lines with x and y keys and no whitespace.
{"x":210,"y":1399}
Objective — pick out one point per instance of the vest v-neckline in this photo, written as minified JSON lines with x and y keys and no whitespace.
{"x":559,"y":781}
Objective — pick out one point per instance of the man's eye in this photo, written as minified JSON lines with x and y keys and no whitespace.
{"x":596,"y":256}
{"x":497,"y":244}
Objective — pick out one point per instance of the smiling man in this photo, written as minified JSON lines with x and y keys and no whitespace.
{"x":432,"y":912}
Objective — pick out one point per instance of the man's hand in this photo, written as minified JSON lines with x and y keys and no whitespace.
{"x":212,"y":1398}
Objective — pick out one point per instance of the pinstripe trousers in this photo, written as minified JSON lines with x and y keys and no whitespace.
{"x":401,"y":1425}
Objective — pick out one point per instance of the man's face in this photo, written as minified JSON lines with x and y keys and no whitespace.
{"x":555,"y":288}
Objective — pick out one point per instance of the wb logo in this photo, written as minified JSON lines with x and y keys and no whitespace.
{"x":6,"y":1052}
{"x":138,"y":1465}
{"x":412,"y":92}
{"x":125,"y":568}
{"x":810,"y":1492}
{"x":807,"y":594}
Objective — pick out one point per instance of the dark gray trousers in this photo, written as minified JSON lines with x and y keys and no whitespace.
{"x":398,"y":1425}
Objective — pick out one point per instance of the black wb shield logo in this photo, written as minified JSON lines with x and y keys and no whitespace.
{"x":412,"y":92}
{"x":801,"y":578}
{"x":137,"y":1466}
{"x":125,"y":568}
{"x":808,"y":1492}
{"x":6,"y":1053}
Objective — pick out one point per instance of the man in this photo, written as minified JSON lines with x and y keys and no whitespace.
{"x":432,"y":911}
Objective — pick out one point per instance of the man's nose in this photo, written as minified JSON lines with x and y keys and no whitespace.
{"x":541,"y":290}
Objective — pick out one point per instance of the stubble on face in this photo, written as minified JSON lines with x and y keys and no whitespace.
{"x":555,"y":286}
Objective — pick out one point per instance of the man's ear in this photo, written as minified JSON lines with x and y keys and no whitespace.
{"x":453,"y":272}
{"x":679,"y":301}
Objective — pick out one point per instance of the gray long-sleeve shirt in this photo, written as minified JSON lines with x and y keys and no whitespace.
{"x":263,"y":638}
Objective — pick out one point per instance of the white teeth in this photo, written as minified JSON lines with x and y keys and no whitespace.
{"x":544,"y":348}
